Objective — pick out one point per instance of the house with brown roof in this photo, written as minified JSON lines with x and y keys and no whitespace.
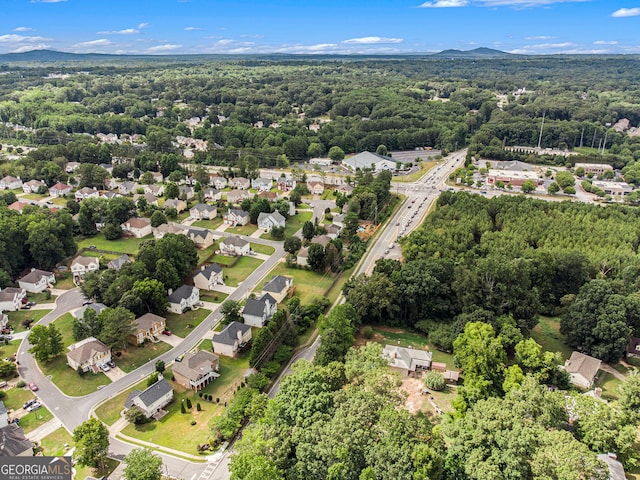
{"x":59,"y":190}
{"x":316,"y":188}
{"x":10,"y":299}
{"x":179,"y":205}
{"x":83,"y":265}
{"x":18,"y":206}
{"x":37,"y":280}
{"x":240,"y":183}
{"x":582,"y":369}
{"x":196,"y":370}
{"x":32,"y":186}
{"x":10,"y":183}
{"x":237,"y":196}
{"x":88,"y":354}
{"x":85,"y":193}
{"x":137,"y":227}
{"x":147,"y":328}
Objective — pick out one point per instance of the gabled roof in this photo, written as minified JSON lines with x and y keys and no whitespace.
{"x":616,"y":470}
{"x":277,"y":284}
{"x":321,"y":240}
{"x":60,"y":186}
{"x":238,"y":213}
{"x":365,"y":159}
{"x":198,"y":232}
{"x":195,"y":365}
{"x":85,"y":349}
{"x":277,"y":216}
{"x":209,"y":270}
{"x":181,"y":293}
{"x":156,"y":391}
{"x":407,"y":358}
{"x":146,"y":321}
{"x":229,"y":336}
{"x":96,"y":307}
{"x":7,"y":296}
{"x":136,"y":222}
{"x":203,"y":207}
{"x":119,"y":262}
{"x":12,"y":441}
{"x":34,"y":276}
{"x":10,"y":179}
{"x":583,"y":365}
{"x":235,"y":241}
{"x":254,"y":307}
{"x":86,"y":261}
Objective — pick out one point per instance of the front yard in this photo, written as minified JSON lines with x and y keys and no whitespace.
{"x":16,"y":318}
{"x":240,"y":271}
{"x":10,"y":350}
{"x":247,"y":229}
{"x":136,"y":356}
{"x":183,"y":324}
{"x":307,"y":284}
{"x":14,"y":400}
{"x":122,"y":245}
{"x":210,"y":224}
{"x":68,"y":380}
{"x":293,"y":224}
{"x":265,"y":249}
{"x":53,"y":445}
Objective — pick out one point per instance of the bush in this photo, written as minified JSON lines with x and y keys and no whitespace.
{"x":367,"y":332}
{"x":200,"y":394}
{"x":434,"y":380}
{"x":189,"y":403}
{"x":20,"y":384}
{"x":257,"y":381}
{"x":217,"y":400}
{"x":271,"y":368}
{"x":2,"y":394}
{"x":182,"y":410}
{"x":193,"y":422}
{"x":198,"y":407}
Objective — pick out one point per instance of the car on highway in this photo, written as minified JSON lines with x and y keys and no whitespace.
{"x":33,"y":387}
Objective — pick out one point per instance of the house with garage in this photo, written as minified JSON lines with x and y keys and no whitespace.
{"x":10,"y":301}
{"x":262,"y":184}
{"x":127,"y":188}
{"x":86,"y":192}
{"x":217,"y":181}
{"x":257,"y":312}
{"x":333,"y":231}
{"x":155,"y":190}
{"x":406,"y":360}
{"x":150,"y":198}
{"x":279,"y":287}
{"x":212,"y":194}
{"x":208,"y":277}
{"x":117,"y":263}
{"x":266,"y":221}
{"x":184,"y":298}
{"x":240,"y":183}
{"x":71,"y":167}
{"x":232,"y":339}
{"x":18,"y":206}
{"x":286,"y":184}
{"x":88,"y":354}
{"x":10,"y":183}
{"x":161,"y":230}
{"x":196,"y":370}
{"x":582,"y":369}
{"x":83,"y":265}
{"x":237,"y":196}
{"x":32,"y":186}
{"x":179,"y":205}
{"x":187,"y":192}
{"x":152,"y":400}
{"x":235,"y":246}
{"x":147,"y":328}
{"x":13,"y":442}
{"x":37,"y":280}
{"x":235,"y":217}
{"x":202,"y":211}
{"x":59,"y":190}
{"x":202,"y":237}
{"x":315,"y":188}
{"x":137,"y":227}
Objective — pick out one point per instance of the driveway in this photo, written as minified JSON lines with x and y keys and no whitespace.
{"x":115,"y":374}
{"x":173,"y":340}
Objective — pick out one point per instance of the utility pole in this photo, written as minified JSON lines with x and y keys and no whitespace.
{"x":605,"y":141}
{"x":581,"y":137}
{"x":541,"y":127}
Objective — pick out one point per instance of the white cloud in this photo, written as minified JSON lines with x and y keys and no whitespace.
{"x":126,"y":31}
{"x":23,"y":43}
{"x":626,"y":12}
{"x":143,"y":25}
{"x":605,"y":42}
{"x":28,"y":48}
{"x":12,"y":38}
{"x":190,"y":29}
{"x":372,"y":40}
{"x":168,"y":47}
{"x":23,"y":29}
{"x":540,"y":37}
{"x":545,"y":46}
{"x":101,"y":42}
{"x":445,"y":4}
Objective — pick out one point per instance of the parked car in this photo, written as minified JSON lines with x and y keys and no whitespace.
{"x":111,"y":364}
{"x":104,"y":367}
{"x":31,"y":304}
{"x":26,"y":307}
{"x":6,"y":337}
{"x":33,"y":387}
{"x":28,"y":403}
{"x":33,"y":406}
{"x":167,"y":333}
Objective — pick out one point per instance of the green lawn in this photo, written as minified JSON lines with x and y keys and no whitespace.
{"x":240,"y":271}
{"x":210,"y":224}
{"x":547,"y":334}
{"x":35,"y":419}
{"x":247,"y":229}
{"x":136,"y":356}
{"x":64,"y":281}
{"x":609,"y":384}
{"x":53,"y":444}
{"x":41,"y":297}
{"x":175,"y":429}
{"x":265,"y":249}
{"x":109,"y":411}
{"x":33,"y":196}
{"x":16,"y":397}
{"x":84,"y":472}
{"x":204,"y":254}
{"x":61,"y":202}
{"x":122,"y":245}
{"x":307,"y":284}
{"x":64,"y":323}
{"x":293,"y":224}
{"x":215,"y":297}
{"x":68,"y":380}
{"x":16,"y":318}
{"x":224,"y":260}
{"x":426,"y":166}
{"x":182,"y":324}
{"x":9,"y":350}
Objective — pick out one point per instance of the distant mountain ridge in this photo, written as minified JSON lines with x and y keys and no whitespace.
{"x":482,"y":52}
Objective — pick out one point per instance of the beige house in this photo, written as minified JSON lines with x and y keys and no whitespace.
{"x":234,"y":337}
{"x":236,"y":217}
{"x":183,"y":299}
{"x":137,"y":227}
{"x":202,"y":237}
{"x":240,"y":183}
{"x":406,"y":360}
{"x":83,"y":265}
{"x":278,"y":287}
{"x":148,"y":327}
{"x":196,"y":370}
{"x":37,"y":281}
{"x":582,"y":369}
{"x":59,"y":190}
{"x":208,"y":277}
{"x":235,"y":246}
{"x":179,"y":205}
{"x":202,"y":211}
{"x":88,"y":354}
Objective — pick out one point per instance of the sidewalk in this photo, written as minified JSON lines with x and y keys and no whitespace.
{"x":44,"y":430}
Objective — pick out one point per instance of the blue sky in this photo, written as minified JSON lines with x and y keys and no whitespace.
{"x":320,"y":26}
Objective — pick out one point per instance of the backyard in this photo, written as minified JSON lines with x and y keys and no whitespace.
{"x":244,"y":267}
{"x":182,"y":324}
{"x":122,"y":245}
{"x":547,"y":334}
{"x":136,"y":356}
{"x":307,"y":284}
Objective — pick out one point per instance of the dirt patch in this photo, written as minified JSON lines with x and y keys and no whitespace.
{"x":415,"y":401}
{"x":361,"y":340}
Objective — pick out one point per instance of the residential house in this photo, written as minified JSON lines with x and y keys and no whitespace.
{"x":315,"y":188}
{"x":96,"y":307}
{"x":344,"y":189}
{"x":108,"y":167}
{"x":196,"y":370}
{"x":234,"y":337}
{"x":4,"y":321}
{"x":257,"y":312}
{"x":10,"y":183}
{"x":633,"y":350}
{"x":127,"y":188}
{"x":262,"y":184}
{"x":148,"y":327}
{"x":235,"y":246}
{"x":202,"y":211}
{"x":208,"y":277}
{"x":217,"y":181}
{"x":278,"y":287}
{"x":85,"y":193}
{"x":109,"y":195}
{"x":161,"y":230}
{"x":137,"y":227}
{"x":582,"y":369}
{"x":286,"y":184}
{"x":183,"y":299}
{"x":302,"y":257}
{"x":237,"y":196}
{"x":240,"y":183}
{"x":83,"y":265}
{"x":271,"y":196}
{"x":18,"y":206}
{"x":614,"y":467}
{"x":333,"y":231}
{"x":10,"y":300}
{"x":32,"y":186}
{"x":451,"y":376}
{"x":323,"y":240}
{"x":339,"y":219}
{"x":155,"y":190}
{"x":267,"y":221}
{"x":406,"y":360}
{"x":111,"y":183}
{"x":202,"y":237}
{"x":71,"y":167}
{"x":187,"y":192}
{"x":212,"y":194}
{"x":235,"y":217}
{"x":157,"y":177}
{"x":179,"y":205}
{"x":88,"y":354}
{"x":59,"y":190}
{"x":150,"y":198}
{"x":13,"y":442}
{"x":152,"y":400}
{"x":37,"y":280}
{"x":119,"y":262}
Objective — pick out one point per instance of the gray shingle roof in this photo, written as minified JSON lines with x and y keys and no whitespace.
{"x":229,"y":335}
{"x":235,"y":241}
{"x":196,"y":365}
{"x":35,"y":276}
{"x":203,"y":207}
{"x":209,"y":270}
{"x":182,"y":292}
{"x":12,"y":441}
{"x":146,"y":321}
{"x":254,"y":307}
{"x":277,"y":284}
{"x":155,"y":392}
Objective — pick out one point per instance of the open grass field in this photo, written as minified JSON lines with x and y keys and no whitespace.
{"x":64,"y":323}
{"x":68,"y":380}
{"x":307,"y":284}
{"x":240,"y":271}
{"x":547,"y":334}
{"x":264,"y":249}
{"x":53,"y":444}
{"x":123,"y":245}
{"x":293,"y":224}
{"x":182,"y":324}
{"x":83,"y":472}
{"x":609,"y":384}
{"x":109,"y":411}
{"x":136,"y":356}
{"x":16,"y":318}
{"x":210,"y":224}
{"x":175,"y":429}
{"x":426,"y":166}
{"x":247,"y":229}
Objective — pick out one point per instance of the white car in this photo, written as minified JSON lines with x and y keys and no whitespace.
{"x":105,"y":367}
{"x":33,"y":406}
